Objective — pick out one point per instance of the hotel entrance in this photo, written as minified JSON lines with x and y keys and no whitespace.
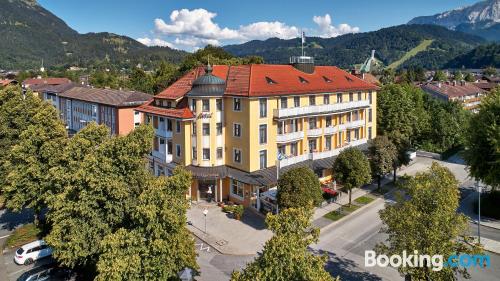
{"x":206,"y":190}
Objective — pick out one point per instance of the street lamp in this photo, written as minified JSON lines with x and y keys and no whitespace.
{"x":478,"y":212}
{"x":205,"y":213}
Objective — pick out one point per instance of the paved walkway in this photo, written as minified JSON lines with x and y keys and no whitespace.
{"x":490,"y":245}
{"x":467,"y":208}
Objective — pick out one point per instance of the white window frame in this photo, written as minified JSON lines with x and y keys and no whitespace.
{"x":234,"y":104}
{"x":234,"y":130}
{"x":234,"y":156}
{"x":239,"y":185}
{"x":203,"y":156}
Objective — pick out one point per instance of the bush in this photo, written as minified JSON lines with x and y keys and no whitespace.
{"x":489,"y":205}
{"x":238,"y":211}
{"x":228,"y":209}
{"x":299,"y":188}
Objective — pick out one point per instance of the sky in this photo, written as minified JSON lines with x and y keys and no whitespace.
{"x":191,"y":24}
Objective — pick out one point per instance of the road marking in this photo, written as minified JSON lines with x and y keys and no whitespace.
{"x":5,"y":236}
{"x":207,"y":248}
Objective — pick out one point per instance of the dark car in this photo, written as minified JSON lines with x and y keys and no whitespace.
{"x":50,"y":272}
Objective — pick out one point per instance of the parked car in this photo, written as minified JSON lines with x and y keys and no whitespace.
{"x":46,"y":273}
{"x":31,"y":252}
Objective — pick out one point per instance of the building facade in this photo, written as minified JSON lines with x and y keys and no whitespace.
{"x":467,"y":94}
{"x":236,"y":128}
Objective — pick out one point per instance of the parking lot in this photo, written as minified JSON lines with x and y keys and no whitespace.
{"x":14,"y":271}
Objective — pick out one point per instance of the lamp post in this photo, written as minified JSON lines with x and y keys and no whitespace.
{"x":205,"y":213}
{"x":478,"y":211}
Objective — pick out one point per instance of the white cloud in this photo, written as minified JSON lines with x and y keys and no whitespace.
{"x":155,"y":42}
{"x":326,"y":29}
{"x":193,"y":29}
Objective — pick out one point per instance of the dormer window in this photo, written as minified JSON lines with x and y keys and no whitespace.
{"x":349,"y":79}
{"x":327,"y":80}
{"x":270,"y":81}
{"x":303,"y":80}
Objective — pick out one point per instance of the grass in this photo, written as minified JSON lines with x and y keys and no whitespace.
{"x":23,"y":235}
{"x":2,"y":202}
{"x":350,"y":209}
{"x":363,"y":200}
{"x":411,"y":53}
{"x":334,"y":215}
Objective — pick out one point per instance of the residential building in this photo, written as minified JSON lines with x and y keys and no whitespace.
{"x":7,"y":82}
{"x":236,"y":128}
{"x":465,"y":93}
{"x":52,"y":81}
{"x":79,"y":106}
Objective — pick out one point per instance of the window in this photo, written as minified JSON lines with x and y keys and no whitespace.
{"x":263,"y":108}
{"x":218,"y":104}
{"x":219,"y":152}
{"x":370,"y":115}
{"x":326,"y":99}
{"x":195,"y":155}
{"x":328,"y":121}
{"x":296,"y":101}
{"x":339,"y":98}
{"x":219,"y":128}
{"x":169,"y":125}
{"x":359,"y":95}
{"x":294,"y":125}
{"x":193,"y":105}
{"x":178,"y":150}
{"x":293,"y":149}
{"x":281,"y":127}
{"x":155,"y":144}
{"x":206,"y":153}
{"x":370,"y":96}
{"x":312,"y":100}
{"x":263,"y":159}
{"x":169,"y":148}
{"x":348,"y":136}
{"x":193,"y":126}
{"x":312,"y":146}
{"x":356,"y":134}
{"x":206,"y":105}
{"x":351,"y":97}
{"x":178,"y":126}
{"x":237,"y":155}
{"x":263,"y":134}
{"x":281,"y":150}
{"x":236,"y":188}
{"x":349,"y":117}
{"x":341,"y":140}
{"x":237,"y":130}
{"x":206,"y":129}
{"x":328,"y":143}
{"x":284,"y":102}
{"x":169,"y":104}
{"x":236,"y":104}
{"x":369,"y":133}
{"x":312,"y":123}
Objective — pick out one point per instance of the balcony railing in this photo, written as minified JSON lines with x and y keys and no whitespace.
{"x":314,"y":132}
{"x":295,"y":136}
{"x":331,"y":130}
{"x":319,"y":109}
{"x":355,"y":124}
{"x":163,"y":133}
{"x":165,"y":158}
{"x":318,"y":155}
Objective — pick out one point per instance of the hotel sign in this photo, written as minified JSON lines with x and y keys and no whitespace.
{"x":204,"y":115}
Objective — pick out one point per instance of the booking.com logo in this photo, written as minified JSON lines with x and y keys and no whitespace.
{"x":436,"y":262}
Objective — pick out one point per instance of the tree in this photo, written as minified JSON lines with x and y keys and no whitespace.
{"x":440,"y":76}
{"x":469,"y":77}
{"x":427,"y":222}
{"x":27,"y":183}
{"x":482,"y":152}
{"x":352,"y":169}
{"x":458,"y":76}
{"x":140,"y":81}
{"x":285,"y":256}
{"x":383,"y":154}
{"x":490,"y":71}
{"x":99,"y":187}
{"x":299,"y":188}
{"x":156,"y":246}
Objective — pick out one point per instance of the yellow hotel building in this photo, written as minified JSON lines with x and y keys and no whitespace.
{"x":236,"y":128}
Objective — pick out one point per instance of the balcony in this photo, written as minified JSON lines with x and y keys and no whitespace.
{"x":355,"y":124}
{"x":319,"y":155}
{"x":163,"y":133}
{"x":315,"y":132}
{"x":295,"y":136}
{"x":319,"y":109}
{"x":164,"y":158}
{"x":331,"y":130}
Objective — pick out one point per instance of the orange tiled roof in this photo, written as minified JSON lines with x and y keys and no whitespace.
{"x":451,"y":90}
{"x":7,"y":82}
{"x":182,"y":113}
{"x":47,"y":81}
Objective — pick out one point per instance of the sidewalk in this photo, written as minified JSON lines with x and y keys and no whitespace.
{"x":467,"y":208}
{"x":490,"y":245}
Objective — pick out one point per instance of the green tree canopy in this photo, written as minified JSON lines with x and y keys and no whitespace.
{"x":458,"y":76}
{"x":285,"y":255}
{"x":440,"y":76}
{"x":427,"y":222}
{"x":156,"y":244}
{"x":469,"y":77}
{"x":482,"y":152}
{"x":383,"y":153}
{"x":352,"y":169}
{"x":490,"y":71}
{"x":299,"y":187}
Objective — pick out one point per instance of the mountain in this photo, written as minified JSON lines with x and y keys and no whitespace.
{"x":480,"y":57}
{"x":482,"y":18}
{"x":428,"y":46}
{"x":29,"y":34}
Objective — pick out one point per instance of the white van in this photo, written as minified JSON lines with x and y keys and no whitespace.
{"x":31,"y":252}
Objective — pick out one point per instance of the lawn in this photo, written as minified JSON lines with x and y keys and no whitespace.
{"x":23,"y":235}
{"x":350,"y":209}
{"x":334,"y":215}
{"x":411,"y":53}
{"x":363,"y":200}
